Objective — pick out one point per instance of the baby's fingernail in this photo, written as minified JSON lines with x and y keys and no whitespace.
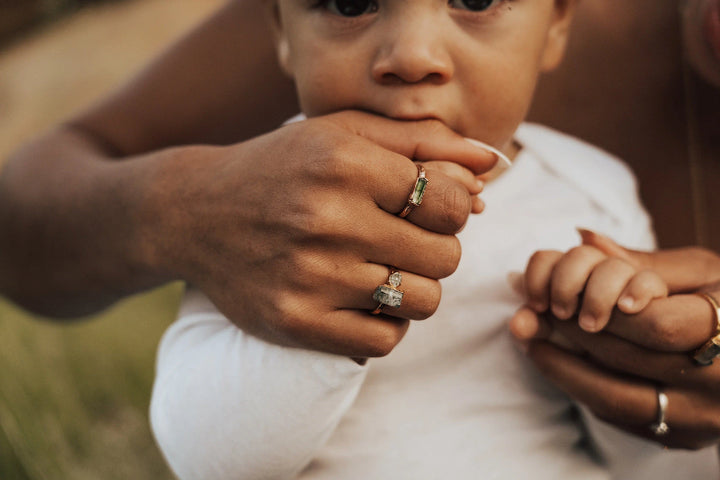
{"x":480,"y":184}
{"x":588,"y":323}
{"x":504,"y":160}
{"x":537,"y":306}
{"x":626,"y":302}
{"x":561,"y":312}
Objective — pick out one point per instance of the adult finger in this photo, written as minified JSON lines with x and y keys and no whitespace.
{"x":355,"y":289}
{"x":629,"y":402}
{"x":447,"y":201}
{"x":683,"y":269}
{"x":619,"y":400}
{"x":465,"y":177}
{"x":351,"y":333}
{"x":370,"y":174}
{"x":423,"y":140}
{"x":621,"y":355}
{"x":677,"y":323}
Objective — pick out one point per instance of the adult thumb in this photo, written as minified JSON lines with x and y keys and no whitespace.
{"x":683,"y":269}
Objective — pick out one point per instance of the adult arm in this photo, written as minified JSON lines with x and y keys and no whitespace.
{"x":288,"y":233}
{"x":72,"y":215}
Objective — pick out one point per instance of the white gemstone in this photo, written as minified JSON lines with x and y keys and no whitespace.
{"x":395,"y":279}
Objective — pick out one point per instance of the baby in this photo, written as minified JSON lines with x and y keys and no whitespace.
{"x":455,"y":399}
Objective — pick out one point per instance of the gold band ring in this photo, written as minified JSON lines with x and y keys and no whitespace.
{"x":418,"y":191}
{"x":388,"y":293}
{"x":706,"y":354}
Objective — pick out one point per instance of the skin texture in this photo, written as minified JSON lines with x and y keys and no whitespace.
{"x":84,"y":224}
{"x":425,"y":59}
{"x":131,"y":195}
{"x":616,"y":372}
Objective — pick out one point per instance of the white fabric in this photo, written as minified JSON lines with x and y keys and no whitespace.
{"x":454,"y":400}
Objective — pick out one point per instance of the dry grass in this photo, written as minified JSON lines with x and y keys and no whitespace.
{"x":74,"y":397}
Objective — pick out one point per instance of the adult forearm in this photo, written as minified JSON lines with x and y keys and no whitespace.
{"x":72,"y":225}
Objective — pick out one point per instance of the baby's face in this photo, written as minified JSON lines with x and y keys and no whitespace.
{"x":473,"y":64}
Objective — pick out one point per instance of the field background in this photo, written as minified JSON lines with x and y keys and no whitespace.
{"x":74,"y":398}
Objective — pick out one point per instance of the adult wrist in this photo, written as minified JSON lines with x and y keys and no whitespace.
{"x":167,"y":228}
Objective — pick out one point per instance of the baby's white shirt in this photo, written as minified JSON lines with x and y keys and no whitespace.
{"x":455,"y":399}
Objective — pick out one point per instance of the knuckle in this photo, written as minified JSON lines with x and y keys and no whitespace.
{"x":665,"y":330}
{"x":583,"y":252}
{"x":384,"y":340}
{"x":449,"y":257}
{"x":428,"y":301}
{"x":456,"y":208}
{"x":543,"y":257}
{"x":645,"y":281}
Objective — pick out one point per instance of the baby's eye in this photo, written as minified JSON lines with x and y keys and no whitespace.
{"x":351,"y":8}
{"x":473,"y":5}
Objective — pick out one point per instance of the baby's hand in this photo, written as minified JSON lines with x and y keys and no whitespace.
{"x":590,"y":283}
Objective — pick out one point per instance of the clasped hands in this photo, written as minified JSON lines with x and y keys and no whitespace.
{"x":600,"y":325}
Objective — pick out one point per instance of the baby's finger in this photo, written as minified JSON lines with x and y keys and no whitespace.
{"x":537,"y":278}
{"x":642,"y":288}
{"x":569,"y":278}
{"x":527,"y":325}
{"x":605,"y":285}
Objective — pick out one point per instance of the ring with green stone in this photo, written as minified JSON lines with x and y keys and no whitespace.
{"x":388,"y":293}
{"x":418,"y":191}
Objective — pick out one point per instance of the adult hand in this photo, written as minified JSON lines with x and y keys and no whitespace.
{"x":619,"y":370}
{"x":290,"y":233}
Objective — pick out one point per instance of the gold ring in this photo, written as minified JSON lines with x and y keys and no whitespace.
{"x":706,"y":354}
{"x":417,"y":194}
{"x":388,"y":293}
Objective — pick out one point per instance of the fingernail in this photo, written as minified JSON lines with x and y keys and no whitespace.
{"x":480,"y":184}
{"x":505,"y":161}
{"x":588,"y":323}
{"x":561,"y":312}
{"x":626,"y":302}
{"x":537,"y":306}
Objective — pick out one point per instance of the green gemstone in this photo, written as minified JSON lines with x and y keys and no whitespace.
{"x":419,"y":191}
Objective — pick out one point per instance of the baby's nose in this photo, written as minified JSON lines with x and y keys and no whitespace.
{"x":412,"y":52}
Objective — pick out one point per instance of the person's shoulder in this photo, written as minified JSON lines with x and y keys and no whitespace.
{"x":597,"y":173}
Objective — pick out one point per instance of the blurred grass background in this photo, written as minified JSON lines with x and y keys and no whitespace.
{"x":74,"y":396}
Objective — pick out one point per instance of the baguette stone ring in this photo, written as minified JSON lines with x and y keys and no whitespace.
{"x":388,"y":293}
{"x":418,"y":191}
{"x":706,"y":354}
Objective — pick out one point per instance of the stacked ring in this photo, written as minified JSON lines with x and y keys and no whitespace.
{"x":388,"y":293}
{"x":418,"y":191}
{"x":706,"y":354}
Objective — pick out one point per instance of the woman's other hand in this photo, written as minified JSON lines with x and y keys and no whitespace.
{"x":621,"y":368}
